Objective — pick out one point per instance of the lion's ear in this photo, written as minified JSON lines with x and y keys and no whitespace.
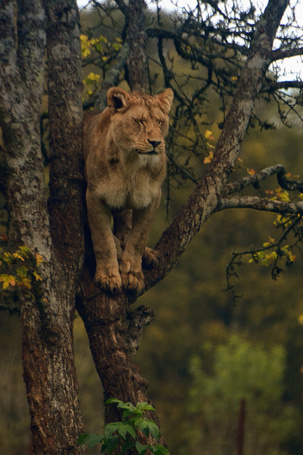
{"x":117,"y":98}
{"x":166,"y":98}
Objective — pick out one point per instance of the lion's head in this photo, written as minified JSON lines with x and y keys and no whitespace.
{"x":139,"y":121}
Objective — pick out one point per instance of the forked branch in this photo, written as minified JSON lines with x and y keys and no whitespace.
{"x":205,"y":198}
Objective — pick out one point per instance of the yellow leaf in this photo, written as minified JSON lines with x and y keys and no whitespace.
{"x":18,"y":256}
{"x":209,"y":135}
{"x":251,"y":171}
{"x":27,"y":283}
{"x":210,"y":146}
{"x":39,"y":259}
{"x":7,"y":280}
{"x":208,"y":158}
{"x":38,"y":277}
{"x":93,"y":77}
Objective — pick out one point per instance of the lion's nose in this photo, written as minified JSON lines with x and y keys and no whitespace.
{"x":154,"y":143}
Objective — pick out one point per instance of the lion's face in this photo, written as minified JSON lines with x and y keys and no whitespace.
{"x":139,"y":121}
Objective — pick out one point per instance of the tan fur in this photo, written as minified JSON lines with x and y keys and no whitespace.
{"x":125,"y":165}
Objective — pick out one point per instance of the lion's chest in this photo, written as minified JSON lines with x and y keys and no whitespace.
{"x":134,"y":190}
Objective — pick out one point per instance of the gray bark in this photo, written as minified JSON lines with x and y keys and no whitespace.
{"x":47,"y":317}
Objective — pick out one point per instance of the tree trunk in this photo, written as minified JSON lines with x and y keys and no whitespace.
{"x":114,"y":335}
{"x":47,"y":313}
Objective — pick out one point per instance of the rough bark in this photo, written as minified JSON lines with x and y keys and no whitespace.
{"x":136,"y":38}
{"x":47,"y":317}
{"x":138,"y":75}
{"x":114,"y":335}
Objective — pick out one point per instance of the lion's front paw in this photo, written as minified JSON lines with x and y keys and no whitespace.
{"x":132,"y":280}
{"x":149,"y":258}
{"x":109,"y":280}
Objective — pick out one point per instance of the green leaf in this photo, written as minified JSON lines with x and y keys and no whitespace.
{"x":160,"y":450}
{"x":112,"y":401}
{"x":110,"y":445}
{"x":22,"y":271}
{"x":25,"y":250}
{"x":91,"y":439}
{"x":127,"y":445}
{"x":141,"y":449}
{"x":153,"y":429}
{"x":128,"y":406}
{"x":140,"y":423}
{"x":82,"y":438}
{"x":125,"y":429}
{"x":144,"y":406}
{"x":110,"y":429}
{"x":148,"y":427}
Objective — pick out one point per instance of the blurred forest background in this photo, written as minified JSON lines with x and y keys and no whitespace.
{"x":207,"y":351}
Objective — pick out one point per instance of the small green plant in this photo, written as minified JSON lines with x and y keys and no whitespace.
{"x":123,"y":435}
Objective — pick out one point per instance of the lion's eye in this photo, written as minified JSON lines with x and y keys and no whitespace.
{"x":139,"y":121}
{"x":160,"y":122}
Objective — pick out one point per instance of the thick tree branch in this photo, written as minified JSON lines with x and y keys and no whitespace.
{"x":112,"y":77}
{"x":283,"y":54}
{"x":123,"y":7}
{"x":283,"y":85}
{"x":278,"y":170}
{"x":205,"y":197}
{"x":136,"y":37}
{"x":138,"y":319}
{"x":289,"y":185}
{"x":263,"y":204}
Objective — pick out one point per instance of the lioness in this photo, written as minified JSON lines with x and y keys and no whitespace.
{"x":125,"y":165}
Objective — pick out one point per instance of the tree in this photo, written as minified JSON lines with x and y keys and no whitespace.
{"x":216,"y":399}
{"x":235,"y":61}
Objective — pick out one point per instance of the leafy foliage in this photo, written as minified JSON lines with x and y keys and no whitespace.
{"x":275,"y":253}
{"x":241,"y":371}
{"x":123,"y":435}
{"x":100,"y":52}
{"x":20,"y":268}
